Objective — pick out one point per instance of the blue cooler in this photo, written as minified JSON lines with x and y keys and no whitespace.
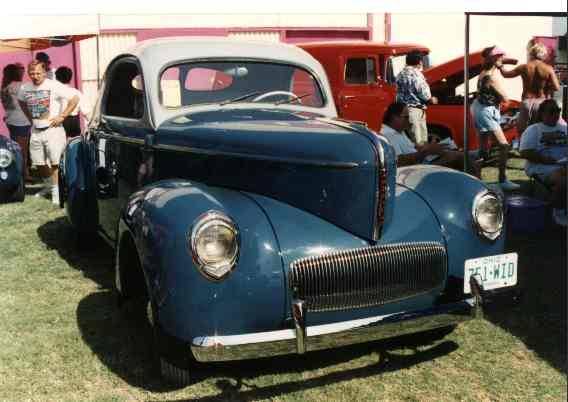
{"x":526,"y":214}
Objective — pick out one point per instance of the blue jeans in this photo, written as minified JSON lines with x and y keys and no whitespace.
{"x":19,"y":131}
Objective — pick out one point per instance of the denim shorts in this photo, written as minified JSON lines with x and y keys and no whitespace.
{"x":19,"y":131}
{"x":486,"y":118}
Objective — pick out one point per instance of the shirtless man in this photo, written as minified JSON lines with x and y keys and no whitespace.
{"x":539,"y":83}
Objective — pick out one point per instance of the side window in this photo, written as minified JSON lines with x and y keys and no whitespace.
{"x":304,"y":85}
{"x":125,"y":96}
{"x":360,"y":71}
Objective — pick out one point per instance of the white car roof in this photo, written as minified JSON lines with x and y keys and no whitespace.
{"x":155,"y":54}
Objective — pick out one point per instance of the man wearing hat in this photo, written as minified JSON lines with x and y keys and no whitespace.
{"x":413,"y":90}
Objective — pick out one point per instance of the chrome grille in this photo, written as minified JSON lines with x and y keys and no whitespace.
{"x":368,"y":276}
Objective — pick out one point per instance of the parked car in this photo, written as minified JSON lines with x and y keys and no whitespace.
{"x":363,"y":81}
{"x":11,"y":171}
{"x":249,"y":221}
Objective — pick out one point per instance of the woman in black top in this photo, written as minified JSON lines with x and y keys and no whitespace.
{"x":486,"y":114}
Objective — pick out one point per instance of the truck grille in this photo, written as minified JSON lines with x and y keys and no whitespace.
{"x":368,"y":276}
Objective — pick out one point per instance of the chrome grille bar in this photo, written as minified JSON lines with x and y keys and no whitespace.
{"x":368,"y":276}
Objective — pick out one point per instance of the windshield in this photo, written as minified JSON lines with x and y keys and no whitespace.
{"x":230,"y":82}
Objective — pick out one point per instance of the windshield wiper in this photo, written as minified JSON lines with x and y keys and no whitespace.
{"x":239,"y":98}
{"x":290,"y":100}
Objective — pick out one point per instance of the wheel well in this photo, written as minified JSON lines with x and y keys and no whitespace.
{"x":132,"y":280}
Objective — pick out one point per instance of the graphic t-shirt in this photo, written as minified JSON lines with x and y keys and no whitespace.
{"x":549,"y":141}
{"x":44,"y":101}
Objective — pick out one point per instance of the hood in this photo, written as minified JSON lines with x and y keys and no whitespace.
{"x":452,"y":71}
{"x":322,"y":166}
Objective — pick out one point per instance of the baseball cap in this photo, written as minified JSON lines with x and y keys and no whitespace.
{"x":497,"y":51}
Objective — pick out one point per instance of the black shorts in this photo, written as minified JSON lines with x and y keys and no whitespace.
{"x":72,"y":126}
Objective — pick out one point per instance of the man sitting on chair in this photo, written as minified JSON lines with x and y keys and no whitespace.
{"x":545,"y":147}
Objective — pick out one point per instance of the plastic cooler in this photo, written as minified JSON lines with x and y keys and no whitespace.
{"x":526,"y":214}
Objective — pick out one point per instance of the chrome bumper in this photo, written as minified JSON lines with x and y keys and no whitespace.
{"x":303,"y":339}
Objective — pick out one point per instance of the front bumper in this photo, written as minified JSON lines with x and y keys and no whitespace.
{"x":304,"y":339}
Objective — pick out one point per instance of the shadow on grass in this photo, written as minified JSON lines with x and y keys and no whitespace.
{"x":123,"y":345}
{"x":539,"y":319}
{"x":94,"y":257}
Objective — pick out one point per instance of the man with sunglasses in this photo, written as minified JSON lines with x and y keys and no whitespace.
{"x":545,"y":147}
{"x":395,"y":124}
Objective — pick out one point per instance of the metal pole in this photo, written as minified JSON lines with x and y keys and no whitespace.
{"x":98,"y":52}
{"x":466,"y":97}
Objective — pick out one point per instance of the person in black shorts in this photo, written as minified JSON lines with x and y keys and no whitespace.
{"x":72,"y":123}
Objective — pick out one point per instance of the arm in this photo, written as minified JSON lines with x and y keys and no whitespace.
{"x":553,"y":85}
{"x":56,"y":121}
{"x":515,"y":72}
{"x":24,"y":107}
{"x":421,"y":152}
{"x":533,"y":156}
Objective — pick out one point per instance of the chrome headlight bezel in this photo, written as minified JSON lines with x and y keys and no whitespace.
{"x":490,"y":233}
{"x":208,"y":221}
{"x":6,"y":158}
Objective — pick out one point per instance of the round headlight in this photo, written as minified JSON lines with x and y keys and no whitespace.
{"x":214,"y":244}
{"x":6,"y":158}
{"x":488,"y":214}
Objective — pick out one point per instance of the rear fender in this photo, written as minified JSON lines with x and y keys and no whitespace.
{"x":160,"y":218}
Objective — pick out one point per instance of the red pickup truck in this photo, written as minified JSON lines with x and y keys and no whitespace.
{"x":363,"y":75}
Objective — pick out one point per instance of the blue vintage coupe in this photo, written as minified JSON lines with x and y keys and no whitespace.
{"x":11,"y":171}
{"x":249,"y":221}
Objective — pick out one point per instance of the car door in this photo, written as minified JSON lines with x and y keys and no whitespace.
{"x":119,"y":139}
{"x":362,"y":93}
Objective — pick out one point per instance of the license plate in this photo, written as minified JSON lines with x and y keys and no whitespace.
{"x":492,"y":272}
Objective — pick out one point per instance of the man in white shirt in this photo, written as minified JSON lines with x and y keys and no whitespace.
{"x":42,"y":102}
{"x":545,"y":147}
{"x":72,"y":123}
{"x":396,"y":121}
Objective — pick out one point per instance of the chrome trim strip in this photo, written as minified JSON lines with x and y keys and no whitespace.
{"x":121,"y":138}
{"x":273,"y":343}
{"x":268,"y":158}
{"x":300,"y":324}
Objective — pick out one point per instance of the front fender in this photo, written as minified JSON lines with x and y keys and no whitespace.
{"x":450,"y":195}
{"x":250,"y":298}
{"x":77,"y":189}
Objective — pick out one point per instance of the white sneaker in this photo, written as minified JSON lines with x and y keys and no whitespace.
{"x":55,"y":195}
{"x":560,"y":216}
{"x":508,"y":185}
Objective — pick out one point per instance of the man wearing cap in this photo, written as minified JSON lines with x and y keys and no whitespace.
{"x":414,"y":92}
{"x":539,"y":83}
{"x":545,"y":147}
{"x":42,"y":102}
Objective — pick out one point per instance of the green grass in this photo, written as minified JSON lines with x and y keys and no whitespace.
{"x":63,"y":339}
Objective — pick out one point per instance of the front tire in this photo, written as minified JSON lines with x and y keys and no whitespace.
{"x":20,"y":193}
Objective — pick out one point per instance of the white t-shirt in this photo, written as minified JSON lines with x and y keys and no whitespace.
{"x":83,"y":106}
{"x":549,"y":141}
{"x":44,"y":101}
{"x":14,"y":114}
{"x":399,"y":141}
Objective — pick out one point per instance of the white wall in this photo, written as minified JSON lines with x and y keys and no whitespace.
{"x":444,"y":34}
{"x":115,"y":21}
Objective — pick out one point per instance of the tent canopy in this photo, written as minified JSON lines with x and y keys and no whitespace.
{"x":28,"y":33}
